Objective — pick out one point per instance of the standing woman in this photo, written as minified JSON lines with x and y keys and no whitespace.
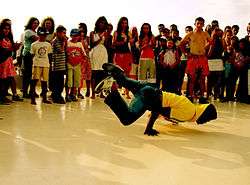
{"x":30,"y":36}
{"x":49,"y":25}
{"x":135,"y":53}
{"x":98,"y":54}
{"x":121,"y":43}
{"x":147,"y":63}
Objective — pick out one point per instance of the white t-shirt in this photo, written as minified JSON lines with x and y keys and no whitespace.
{"x":41,"y":50}
{"x":169,"y":57}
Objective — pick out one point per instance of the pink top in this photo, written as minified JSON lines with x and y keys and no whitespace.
{"x":147,"y":48}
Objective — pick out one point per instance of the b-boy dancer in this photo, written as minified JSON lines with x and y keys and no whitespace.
{"x":169,"y":105}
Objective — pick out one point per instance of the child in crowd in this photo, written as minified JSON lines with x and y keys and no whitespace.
{"x":48,"y":24}
{"x":75,"y":56}
{"x":58,"y":65}
{"x":85,"y":65}
{"x":7,"y":69}
{"x":169,"y":59}
{"x":147,"y":69}
{"x":41,"y":52}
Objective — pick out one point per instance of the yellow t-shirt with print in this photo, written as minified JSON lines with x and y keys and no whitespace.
{"x":181,"y":108}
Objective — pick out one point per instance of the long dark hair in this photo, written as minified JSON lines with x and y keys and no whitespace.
{"x":53,"y":24}
{"x":10,"y":35}
{"x":119,"y":25}
{"x":84,"y":27}
{"x":101,"y":19}
{"x":244,"y":50}
{"x":30,"y":22}
{"x":142,"y":35}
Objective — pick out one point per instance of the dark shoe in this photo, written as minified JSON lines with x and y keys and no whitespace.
{"x":16,"y":98}
{"x":6,"y":100}
{"x":105,"y":85}
{"x":46,"y":101}
{"x":60,"y":100}
{"x":68,"y":99}
{"x":112,"y":68}
{"x":73,"y":98}
{"x":36,"y":95}
{"x":203,"y":100}
{"x":232,"y":99}
{"x":80,"y":96}
{"x":41,"y":94}
{"x":87,"y":94}
{"x":223,"y":100}
{"x":25,"y":95}
{"x":33,"y":101}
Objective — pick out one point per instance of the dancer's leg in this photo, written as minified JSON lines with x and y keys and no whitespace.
{"x":127,"y":114}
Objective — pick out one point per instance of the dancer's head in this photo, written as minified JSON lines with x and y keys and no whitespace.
{"x":209,"y":114}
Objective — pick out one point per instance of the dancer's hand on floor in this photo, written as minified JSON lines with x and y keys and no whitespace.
{"x":151,"y":132}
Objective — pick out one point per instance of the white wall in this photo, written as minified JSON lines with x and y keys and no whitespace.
{"x":180,"y":12}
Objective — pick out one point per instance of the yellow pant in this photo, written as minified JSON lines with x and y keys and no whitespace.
{"x":40,"y":73}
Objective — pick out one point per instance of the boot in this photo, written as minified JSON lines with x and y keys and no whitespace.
{"x":32,"y":91}
{"x":44,"y":92}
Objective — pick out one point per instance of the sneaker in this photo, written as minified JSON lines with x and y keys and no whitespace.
{"x":112,"y":68}
{"x":105,"y":85}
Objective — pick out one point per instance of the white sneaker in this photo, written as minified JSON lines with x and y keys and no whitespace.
{"x":105,"y":85}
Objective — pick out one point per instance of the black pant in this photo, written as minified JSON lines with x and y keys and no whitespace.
{"x":57,"y":83}
{"x":27,"y":72}
{"x":170,"y":80}
{"x":242,"y":90}
{"x":214,"y":82}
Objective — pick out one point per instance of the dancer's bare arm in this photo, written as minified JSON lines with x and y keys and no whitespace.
{"x":149,"y":129}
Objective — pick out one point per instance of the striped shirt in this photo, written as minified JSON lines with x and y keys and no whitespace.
{"x":59,"y":56}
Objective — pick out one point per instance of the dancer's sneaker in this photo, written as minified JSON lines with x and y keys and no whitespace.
{"x":112,"y":68}
{"x":105,"y":85}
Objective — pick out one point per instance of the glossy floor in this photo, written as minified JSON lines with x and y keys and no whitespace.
{"x":83,"y":143}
